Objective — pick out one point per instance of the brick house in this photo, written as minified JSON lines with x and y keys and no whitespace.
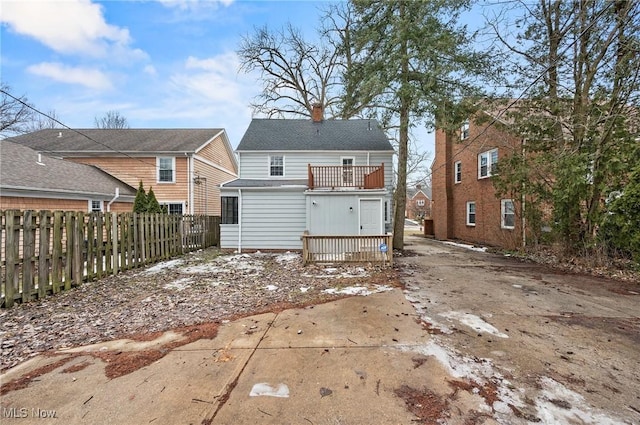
{"x":185,"y":167}
{"x":32,"y":181}
{"x":418,"y":204}
{"x":465,"y":206}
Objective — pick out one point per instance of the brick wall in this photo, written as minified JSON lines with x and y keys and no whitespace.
{"x":450,"y":198}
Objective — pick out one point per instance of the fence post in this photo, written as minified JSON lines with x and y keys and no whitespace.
{"x":12,"y":245}
{"x":78,"y":243}
{"x":28,"y":255}
{"x":44,"y":261}
{"x":114,"y":242}
{"x":68,"y":265}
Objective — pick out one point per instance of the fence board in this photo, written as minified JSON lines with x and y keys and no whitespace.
{"x":43,"y":253}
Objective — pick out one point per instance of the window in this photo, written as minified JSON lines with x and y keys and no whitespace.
{"x":276,"y":166}
{"x":347,"y":171}
{"x":457,"y":171}
{"x":96,"y":206}
{"x":508,"y":220}
{"x":173,"y":207}
{"x":487,"y":163}
{"x":464,"y":130}
{"x":471,"y":213}
{"x":229,"y":209}
{"x":166,"y":169}
{"x":420,"y":202}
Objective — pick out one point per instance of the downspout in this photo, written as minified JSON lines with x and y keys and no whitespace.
{"x":117,"y":195}
{"x":368,"y":156}
{"x":239,"y":220}
{"x":190,"y":182}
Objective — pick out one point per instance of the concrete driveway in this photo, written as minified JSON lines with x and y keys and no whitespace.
{"x":473,"y":338}
{"x":559,"y":348}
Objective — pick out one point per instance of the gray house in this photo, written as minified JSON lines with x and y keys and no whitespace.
{"x":324,"y":177}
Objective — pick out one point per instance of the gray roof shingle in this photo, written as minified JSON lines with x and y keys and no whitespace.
{"x":306,"y":135}
{"x":112,"y":141}
{"x":19,"y":169}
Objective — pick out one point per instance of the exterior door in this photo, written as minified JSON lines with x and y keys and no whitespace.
{"x":371,"y":217}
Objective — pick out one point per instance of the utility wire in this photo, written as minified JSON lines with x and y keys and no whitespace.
{"x":80,"y":133}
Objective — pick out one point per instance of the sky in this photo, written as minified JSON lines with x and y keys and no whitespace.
{"x":158,"y":63}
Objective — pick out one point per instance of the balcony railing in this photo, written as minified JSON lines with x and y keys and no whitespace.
{"x":356,"y":176}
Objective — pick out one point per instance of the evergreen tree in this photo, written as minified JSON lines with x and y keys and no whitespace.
{"x":152,"y":203}
{"x":140,"y":202}
{"x":410,"y":58}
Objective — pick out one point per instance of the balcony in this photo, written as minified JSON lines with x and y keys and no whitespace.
{"x":346,"y":176}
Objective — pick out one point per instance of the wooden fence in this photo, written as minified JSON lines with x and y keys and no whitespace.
{"x":44,"y":252}
{"x":348,"y":249}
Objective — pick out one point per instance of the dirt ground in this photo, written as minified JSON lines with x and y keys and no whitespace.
{"x":556,"y":347}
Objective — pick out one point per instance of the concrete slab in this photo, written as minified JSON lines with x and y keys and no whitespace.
{"x":182,"y":387}
{"x":241,"y":333}
{"x":326,"y":386}
{"x":375,"y":320}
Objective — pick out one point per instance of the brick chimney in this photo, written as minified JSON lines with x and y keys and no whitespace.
{"x":316,"y":114}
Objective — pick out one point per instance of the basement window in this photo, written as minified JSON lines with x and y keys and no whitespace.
{"x":471,"y":213}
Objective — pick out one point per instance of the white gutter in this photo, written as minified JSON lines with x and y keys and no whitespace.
{"x":117,"y":195}
{"x":239,"y":220}
{"x":190,"y":183}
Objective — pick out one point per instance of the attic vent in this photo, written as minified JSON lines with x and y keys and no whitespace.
{"x":39,"y":162}
{"x":59,"y":134}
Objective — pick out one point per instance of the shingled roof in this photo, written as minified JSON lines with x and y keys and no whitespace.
{"x":96,"y":140}
{"x":20,"y":170}
{"x":306,"y":135}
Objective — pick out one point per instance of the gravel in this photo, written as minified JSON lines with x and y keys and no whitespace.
{"x":199,"y":287}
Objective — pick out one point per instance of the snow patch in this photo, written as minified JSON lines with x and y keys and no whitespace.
{"x":288,"y":257}
{"x":264,"y":389}
{"x":271,"y":287}
{"x":558,"y":404}
{"x":163,"y":266}
{"x":304,"y":289}
{"x":470,"y":247}
{"x":358,"y":290}
{"x":474,"y":322}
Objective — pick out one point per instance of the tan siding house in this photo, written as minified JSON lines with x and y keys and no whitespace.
{"x":183,"y":166}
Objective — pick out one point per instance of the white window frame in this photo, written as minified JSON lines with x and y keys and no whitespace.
{"x":173,"y":169}
{"x":503,"y":214}
{"x":475,"y":213}
{"x":457,"y":170}
{"x":168,"y":203}
{"x":347,"y":170}
{"x":269,"y":165}
{"x":491,"y":163}
{"x":420,"y":202}
{"x":91,"y":201}
{"x":464,"y":130}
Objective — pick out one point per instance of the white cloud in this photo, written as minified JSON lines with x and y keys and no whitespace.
{"x":91,"y":78}
{"x":192,"y":4}
{"x":215,"y":79}
{"x":70,"y":26}
{"x":150,"y":70}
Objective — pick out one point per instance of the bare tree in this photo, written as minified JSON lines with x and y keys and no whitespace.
{"x":15,"y":113}
{"x":43,"y":121}
{"x":296,"y":73}
{"x":112,"y":119}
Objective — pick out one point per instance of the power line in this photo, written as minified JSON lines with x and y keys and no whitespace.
{"x":80,"y":133}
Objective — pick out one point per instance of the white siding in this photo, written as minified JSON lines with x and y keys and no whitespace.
{"x":272,"y":219}
{"x":229,"y":236}
{"x":255,"y":165}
